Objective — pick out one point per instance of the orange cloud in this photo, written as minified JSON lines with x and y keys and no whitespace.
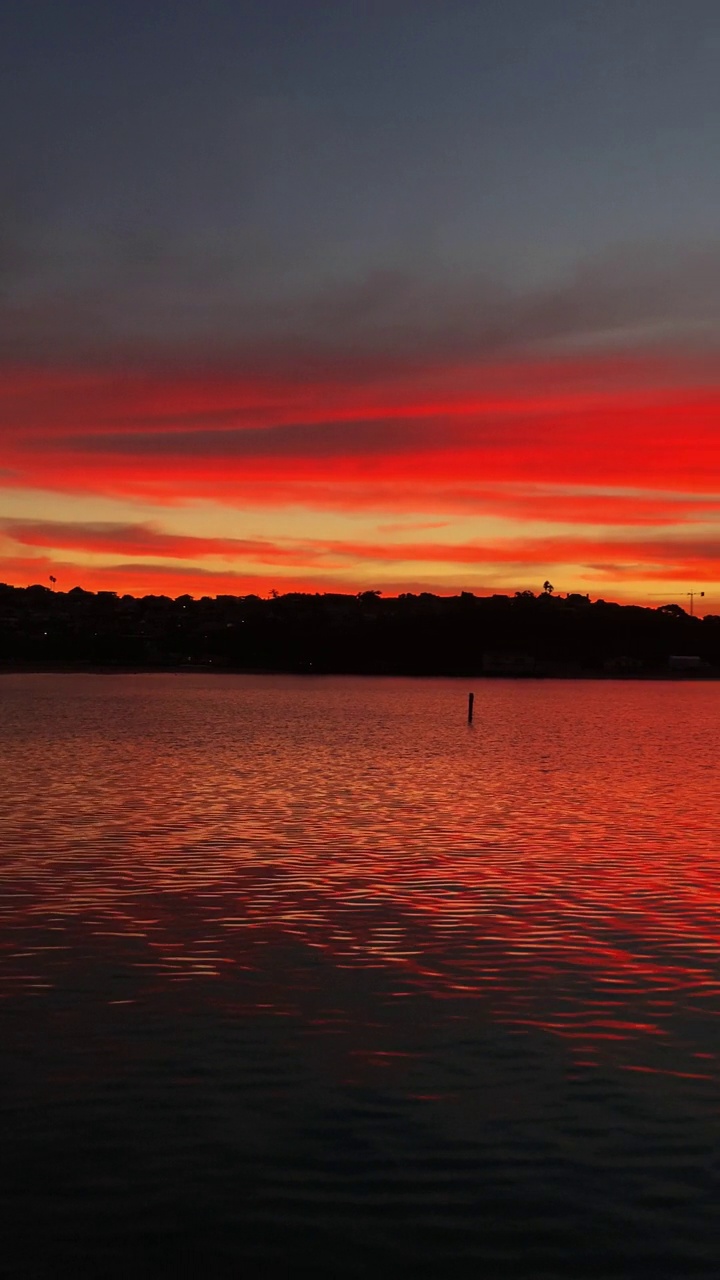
{"x":145,"y":540}
{"x":670,"y":557}
{"x":173,"y":580}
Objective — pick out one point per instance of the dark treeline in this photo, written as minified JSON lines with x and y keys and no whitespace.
{"x":408,"y":634}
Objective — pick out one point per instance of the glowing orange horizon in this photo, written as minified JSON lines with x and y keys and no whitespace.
{"x":604,"y":472}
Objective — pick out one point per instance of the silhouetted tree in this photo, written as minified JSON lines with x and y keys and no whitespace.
{"x":420,"y":634}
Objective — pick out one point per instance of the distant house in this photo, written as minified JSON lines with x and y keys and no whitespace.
{"x":508,"y":664}
{"x":685,"y":662}
{"x":623,"y":666}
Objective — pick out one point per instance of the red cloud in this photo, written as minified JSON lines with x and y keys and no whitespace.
{"x":560,"y":442}
{"x":240,"y":439}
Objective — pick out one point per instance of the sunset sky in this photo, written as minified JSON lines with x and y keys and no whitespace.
{"x":345,"y":294}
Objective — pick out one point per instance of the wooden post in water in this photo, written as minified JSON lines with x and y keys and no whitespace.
{"x":471,"y":700}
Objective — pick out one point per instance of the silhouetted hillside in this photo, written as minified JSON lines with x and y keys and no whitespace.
{"x":407,"y":634}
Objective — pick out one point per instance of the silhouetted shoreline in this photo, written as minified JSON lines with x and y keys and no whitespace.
{"x":199,"y":669}
{"x":524,"y":636}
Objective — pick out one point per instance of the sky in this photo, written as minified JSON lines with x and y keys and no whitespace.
{"x":403,"y":295}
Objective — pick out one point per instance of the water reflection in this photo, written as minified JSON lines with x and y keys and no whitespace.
{"x":554,"y":869}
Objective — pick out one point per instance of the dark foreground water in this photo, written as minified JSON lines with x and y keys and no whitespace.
{"x":306,"y":976}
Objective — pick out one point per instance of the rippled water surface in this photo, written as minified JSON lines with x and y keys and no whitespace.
{"x":306,"y":973}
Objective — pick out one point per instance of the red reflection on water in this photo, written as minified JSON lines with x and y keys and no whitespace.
{"x":295,"y":844}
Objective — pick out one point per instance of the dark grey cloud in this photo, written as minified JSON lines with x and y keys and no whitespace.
{"x":360,"y":438}
{"x":296,"y":181}
{"x":149,"y":297}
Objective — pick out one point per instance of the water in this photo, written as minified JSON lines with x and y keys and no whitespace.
{"x":306,"y":974}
